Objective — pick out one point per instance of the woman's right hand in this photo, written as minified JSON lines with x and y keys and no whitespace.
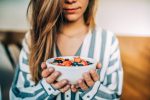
{"x":51,"y":75}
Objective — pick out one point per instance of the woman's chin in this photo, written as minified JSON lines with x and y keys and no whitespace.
{"x":71,"y":18}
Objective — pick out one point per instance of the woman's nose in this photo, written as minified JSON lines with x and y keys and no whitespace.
{"x":70,"y":1}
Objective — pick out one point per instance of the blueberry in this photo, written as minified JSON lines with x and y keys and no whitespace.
{"x":80,"y":64}
{"x":55,"y":61}
{"x":89,"y":63}
{"x":74,"y":64}
{"x":59,"y":61}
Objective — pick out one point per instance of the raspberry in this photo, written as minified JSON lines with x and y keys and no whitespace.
{"x":78,"y":59}
{"x":67,"y":63}
{"x":84,"y":63}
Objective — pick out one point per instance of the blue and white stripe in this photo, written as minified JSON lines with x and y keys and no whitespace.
{"x":99,"y":44}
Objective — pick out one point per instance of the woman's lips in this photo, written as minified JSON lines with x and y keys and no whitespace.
{"x":70,"y":10}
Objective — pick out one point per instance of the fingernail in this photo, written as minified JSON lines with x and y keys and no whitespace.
{"x":68,"y":86}
{"x":80,"y":81}
{"x":99,"y":65}
{"x":92,"y":71}
{"x":56,"y":73}
{"x":64,"y":81}
{"x":50,"y":69}
{"x":42,"y":65}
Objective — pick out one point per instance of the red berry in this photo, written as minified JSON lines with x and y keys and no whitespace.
{"x":77,"y":59}
{"x":84,"y":63}
{"x":67,"y":63}
{"x":59,"y":59}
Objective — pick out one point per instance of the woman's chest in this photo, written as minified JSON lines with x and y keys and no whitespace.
{"x":69,"y":47}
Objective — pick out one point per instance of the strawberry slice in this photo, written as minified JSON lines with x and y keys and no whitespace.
{"x":77,"y":59}
{"x":84,"y":63}
{"x":67,"y":63}
{"x":59,"y":59}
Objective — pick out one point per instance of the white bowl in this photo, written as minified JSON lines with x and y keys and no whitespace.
{"x":73,"y":73}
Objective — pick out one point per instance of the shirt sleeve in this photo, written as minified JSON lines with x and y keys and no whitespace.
{"x":23,"y":87}
{"x":111,"y":87}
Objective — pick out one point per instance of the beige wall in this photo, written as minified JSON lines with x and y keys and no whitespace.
{"x":125,"y":17}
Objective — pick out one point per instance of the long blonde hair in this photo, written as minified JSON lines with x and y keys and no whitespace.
{"x":45,"y":19}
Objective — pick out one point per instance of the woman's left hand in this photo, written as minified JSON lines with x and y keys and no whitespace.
{"x":89,"y":78}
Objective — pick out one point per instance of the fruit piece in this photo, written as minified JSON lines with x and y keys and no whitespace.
{"x":84,"y":63}
{"x":80,"y":64}
{"x":77,"y":59}
{"x":66,"y":59}
{"x":89,"y":63}
{"x":74,"y":64}
{"x":59,"y":58}
{"x":67,"y":63}
{"x":60,"y":61}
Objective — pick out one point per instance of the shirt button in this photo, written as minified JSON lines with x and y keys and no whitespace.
{"x":67,"y":96}
{"x":88,"y":96}
{"x":49,"y":89}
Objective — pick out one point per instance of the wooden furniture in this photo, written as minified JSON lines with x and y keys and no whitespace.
{"x":135,"y":53}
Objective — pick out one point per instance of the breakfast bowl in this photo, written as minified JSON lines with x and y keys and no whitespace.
{"x":71,"y":67}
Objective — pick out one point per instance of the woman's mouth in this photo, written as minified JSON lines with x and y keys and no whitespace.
{"x":70,"y":10}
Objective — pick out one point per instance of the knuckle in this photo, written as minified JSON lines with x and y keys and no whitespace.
{"x":53,"y":78}
{"x":48,"y":80}
{"x":90,"y":83}
{"x":92,"y":71}
{"x":85,"y":75}
{"x":84,"y":88}
{"x":60,"y":85}
{"x":42,"y":74}
{"x":56,"y":73}
{"x":62,"y":91}
{"x":88,"y":79}
{"x":96,"y":77}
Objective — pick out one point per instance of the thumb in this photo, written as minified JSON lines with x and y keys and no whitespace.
{"x":98,"y":66}
{"x":43,"y":65}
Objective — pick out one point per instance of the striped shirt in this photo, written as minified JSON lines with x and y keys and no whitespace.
{"x":99,"y":44}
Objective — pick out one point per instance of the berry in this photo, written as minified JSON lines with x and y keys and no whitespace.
{"x":74,"y":64}
{"x":84,"y":63}
{"x":60,"y":61}
{"x":89,"y":63}
{"x":80,"y":64}
{"x":67,"y":63}
{"x":77,"y":59}
{"x":66,"y":59}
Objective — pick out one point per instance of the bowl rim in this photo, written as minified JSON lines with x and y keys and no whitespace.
{"x":94,"y":62}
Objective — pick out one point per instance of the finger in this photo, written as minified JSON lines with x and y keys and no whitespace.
{"x":73,"y":88}
{"x":82,"y":85}
{"x":77,"y":86}
{"x":60,"y":84}
{"x":89,"y":81}
{"x":43,"y":65}
{"x":98,"y":66}
{"x":50,"y":79}
{"x":64,"y":89}
{"x":46,"y":72}
{"x":94,"y":75}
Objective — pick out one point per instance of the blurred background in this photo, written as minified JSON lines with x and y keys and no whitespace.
{"x":129,"y":19}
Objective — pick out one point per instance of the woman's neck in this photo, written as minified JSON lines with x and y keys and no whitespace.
{"x":73,"y":29}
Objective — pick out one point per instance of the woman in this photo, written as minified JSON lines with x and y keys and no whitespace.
{"x":66,"y":28}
